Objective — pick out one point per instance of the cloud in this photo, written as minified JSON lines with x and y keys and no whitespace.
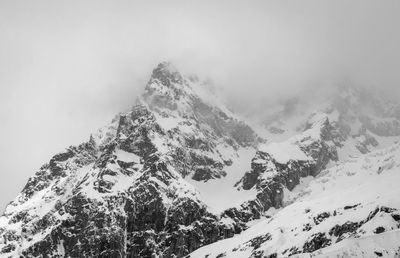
{"x":66,"y":67}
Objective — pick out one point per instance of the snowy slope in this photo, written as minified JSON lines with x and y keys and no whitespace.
{"x":277,"y":168}
{"x":350,"y":210}
{"x":221,"y":194}
{"x":179,"y":171}
{"x":367,"y":119}
{"x":131,"y":189}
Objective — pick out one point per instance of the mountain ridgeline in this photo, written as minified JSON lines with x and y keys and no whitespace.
{"x":141,"y":185}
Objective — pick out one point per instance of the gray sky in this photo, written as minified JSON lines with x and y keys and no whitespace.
{"x":66,"y":67}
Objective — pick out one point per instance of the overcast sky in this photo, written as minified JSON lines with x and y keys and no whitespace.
{"x":67,"y":67}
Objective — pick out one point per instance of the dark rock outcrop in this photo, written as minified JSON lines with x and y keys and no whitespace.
{"x":269,"y":176}
{"x":123,"y":193}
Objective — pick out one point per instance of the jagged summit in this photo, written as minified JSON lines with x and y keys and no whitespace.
{"x":179,"y":171}
{"x":126,"y":192}
{"x":170,"y":91}
{"x":167,"y":89}
{"x":167,"y":74}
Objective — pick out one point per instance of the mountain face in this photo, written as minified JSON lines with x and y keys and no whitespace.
{"x":332,"y":185}
{"x":123,"y":193}
{"x":349,"y":210}
{"x":280,"y":166}
{"x":179,"y":171}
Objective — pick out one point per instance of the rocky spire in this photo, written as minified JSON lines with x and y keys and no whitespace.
{"x":165,"y":87}
{"x":167,"y":74}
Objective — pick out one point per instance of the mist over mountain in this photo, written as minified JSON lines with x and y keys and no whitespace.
{"x":179,"y":171}
{"x":218,"y":122}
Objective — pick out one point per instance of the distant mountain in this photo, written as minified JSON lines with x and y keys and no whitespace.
{"x":179,"y":171}
{"x":329,"y":189}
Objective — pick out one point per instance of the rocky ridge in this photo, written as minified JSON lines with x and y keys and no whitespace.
{"x":145,"y":185}
{"x":350,"y":210}
{"x":123,"y":193}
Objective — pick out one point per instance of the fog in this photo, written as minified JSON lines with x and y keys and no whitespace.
{"x":67,"y":67}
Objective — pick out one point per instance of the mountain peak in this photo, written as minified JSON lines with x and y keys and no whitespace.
{"x":167,"y":74}
{"x":166,"y":65}
{"x":165,"y":87}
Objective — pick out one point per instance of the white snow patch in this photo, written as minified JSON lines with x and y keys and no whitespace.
{"x":127,"y":156}
{"x":284,"y":151}
{"x":220,"y":194}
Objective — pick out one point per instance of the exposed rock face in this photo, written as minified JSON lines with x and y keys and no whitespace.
{"x":132,"y":189}
{"x":270,"y":176}
{"x":361,"y":116}
{"x":353,"y":117}
{"x":342,"y":212}
{"x":376,"y":113}
{"x":197,"y":127}
{"x":123,"y":193}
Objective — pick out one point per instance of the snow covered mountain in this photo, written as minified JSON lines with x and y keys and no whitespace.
{"x":123,"y":193}
{"x":349,"y":210}
{"x":330,"y":189}
{"x":179,"y":171}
